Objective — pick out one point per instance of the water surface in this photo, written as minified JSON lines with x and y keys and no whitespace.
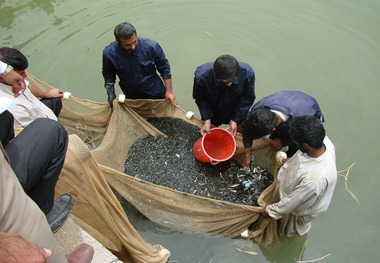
{"x":328,"y":49}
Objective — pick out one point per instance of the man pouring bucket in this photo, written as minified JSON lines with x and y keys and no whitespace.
{"x":224,"y":91}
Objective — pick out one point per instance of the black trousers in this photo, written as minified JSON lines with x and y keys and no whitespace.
{"x":55,"y":104}
{"x":37,"y":155}
{"x":6,"y":129}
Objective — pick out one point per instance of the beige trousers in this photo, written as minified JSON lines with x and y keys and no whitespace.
{"x":19,"y":214}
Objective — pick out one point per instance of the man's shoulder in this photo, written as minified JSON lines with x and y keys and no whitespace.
{"x":204,"y":68}
{"x":147,"y":42}
{"x":204,"y":74}
{"x":245,"y":67}
{"x":330,"y":173}
{"x":324,"y":166}
{"x":330,"y":147}
{"x":292,"y":95}
{"x":148,"y":46}
{"x":110,"y":48}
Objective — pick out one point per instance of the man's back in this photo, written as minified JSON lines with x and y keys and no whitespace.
{"x":289,"y":102}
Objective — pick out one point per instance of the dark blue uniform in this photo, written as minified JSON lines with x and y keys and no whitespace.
{"x":137,"y":71}
{"x":291,"y":103}
{"x":221,"y":103}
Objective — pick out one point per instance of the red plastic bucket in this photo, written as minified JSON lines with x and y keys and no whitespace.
{"x":215,"y":147}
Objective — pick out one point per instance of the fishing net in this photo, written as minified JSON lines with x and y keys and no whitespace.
{"x":100,"y":139}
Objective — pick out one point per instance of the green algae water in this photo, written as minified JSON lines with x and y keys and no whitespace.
{"x":328,"y":49}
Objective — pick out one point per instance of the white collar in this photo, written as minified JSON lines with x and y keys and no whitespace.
{"x":283,"y":116}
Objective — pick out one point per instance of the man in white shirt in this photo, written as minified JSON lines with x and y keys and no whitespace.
{"x":28,"y":107}
{"x":25,"y":235}
{"x":306,"y":181}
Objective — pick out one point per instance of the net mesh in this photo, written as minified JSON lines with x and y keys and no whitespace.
{"x":100,"y":139}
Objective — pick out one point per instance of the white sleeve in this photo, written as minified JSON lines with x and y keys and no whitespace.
{"x":3,"y":67}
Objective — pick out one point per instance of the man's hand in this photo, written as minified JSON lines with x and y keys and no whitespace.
{"x":169,"y":95}
{"x":13,"y":248}
{"x":16,"y":81}
{"x":248,"y":157}
{"x":232,"y":128}
{"x":206,"y":127}
{"x":247,"y":161}
{"x":51,"y":93}
{"x":276,"y":143}
{"x":263,"y":211}
{"x":170,"y":98}
{"x":54,"y":93}
{"x":110,"y":87}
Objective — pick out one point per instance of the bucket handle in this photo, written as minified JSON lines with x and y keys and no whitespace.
{"x":214,"y":162}
{"x":228,"y":129}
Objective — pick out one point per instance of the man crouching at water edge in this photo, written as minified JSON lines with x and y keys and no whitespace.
{"x":272,"y":116}
{"x":306,"y":181}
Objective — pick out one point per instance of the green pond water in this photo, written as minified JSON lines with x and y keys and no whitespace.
{"x":328,"y":49}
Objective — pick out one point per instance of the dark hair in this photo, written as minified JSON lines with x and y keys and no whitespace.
{"x":14,"y":58}
{"x":307,"y":129}
{"x":226,"y":68}
{"x":124,"y":30}
{"x":259,"y":123}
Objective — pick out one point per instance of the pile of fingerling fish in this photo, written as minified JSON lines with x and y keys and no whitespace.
{"x":170,"y":162}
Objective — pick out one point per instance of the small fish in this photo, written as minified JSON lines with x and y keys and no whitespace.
{"x":247,"y":252}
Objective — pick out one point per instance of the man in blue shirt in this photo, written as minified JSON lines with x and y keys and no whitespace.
{"x":273,"y":115}
{"x":224,"y":91}
{"x":135,"y":61}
